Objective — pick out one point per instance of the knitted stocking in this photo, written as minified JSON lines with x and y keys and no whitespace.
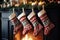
{"x":35,"y":23}
{"x":25,"y":23}
{"x":48,"y":25}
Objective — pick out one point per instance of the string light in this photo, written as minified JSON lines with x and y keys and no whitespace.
{"x":41,"y":3}
{"x":34,"y":3}
{"x":24,"y":1}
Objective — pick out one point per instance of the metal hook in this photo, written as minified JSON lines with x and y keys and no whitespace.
{"x":23,"y":9}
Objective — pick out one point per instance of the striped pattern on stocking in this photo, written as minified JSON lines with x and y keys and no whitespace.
{"x":17,"y":26}
{"x":48,"y":25}
{"x":36,"y":24}
{"x":25,"y":23}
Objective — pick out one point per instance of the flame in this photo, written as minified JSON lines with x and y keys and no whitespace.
{"x":30,"y":38}
{"x":27,"y":37}
{"x":18,"y":36}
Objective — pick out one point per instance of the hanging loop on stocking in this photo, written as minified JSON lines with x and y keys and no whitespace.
{"x":37,"y":26}
{"x":43,"y":7}
{"x":13,"y":10}
{"x":48,"y":25}
{"x":26,"y":25}
{"x":23,"y":10}
{"x":32,"y":9}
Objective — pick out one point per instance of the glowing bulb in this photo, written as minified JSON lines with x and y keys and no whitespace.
{"x":40,"y":3}
{"x":34,"y":3}
{"x":24,"y":1}
{"x":4,"y":0}
{"x":16,"y":5}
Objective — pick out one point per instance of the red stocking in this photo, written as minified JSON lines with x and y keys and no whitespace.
{"x":17,"y":26}
{"x":36,"y":24}
{"x":25,"y":23}
{"x":48,"y":25}
{"x":15,"y":22}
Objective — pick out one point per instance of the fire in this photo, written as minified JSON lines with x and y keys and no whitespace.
{"x":27,"y":37}
{"x":18,"y":36}
{"x":30,"y":36}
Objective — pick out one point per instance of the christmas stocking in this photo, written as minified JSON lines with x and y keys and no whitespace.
{"x":17,"y":26}
{"x":48,"y":25}
{"x":34,"y":21}
{"x":24,"y":21}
